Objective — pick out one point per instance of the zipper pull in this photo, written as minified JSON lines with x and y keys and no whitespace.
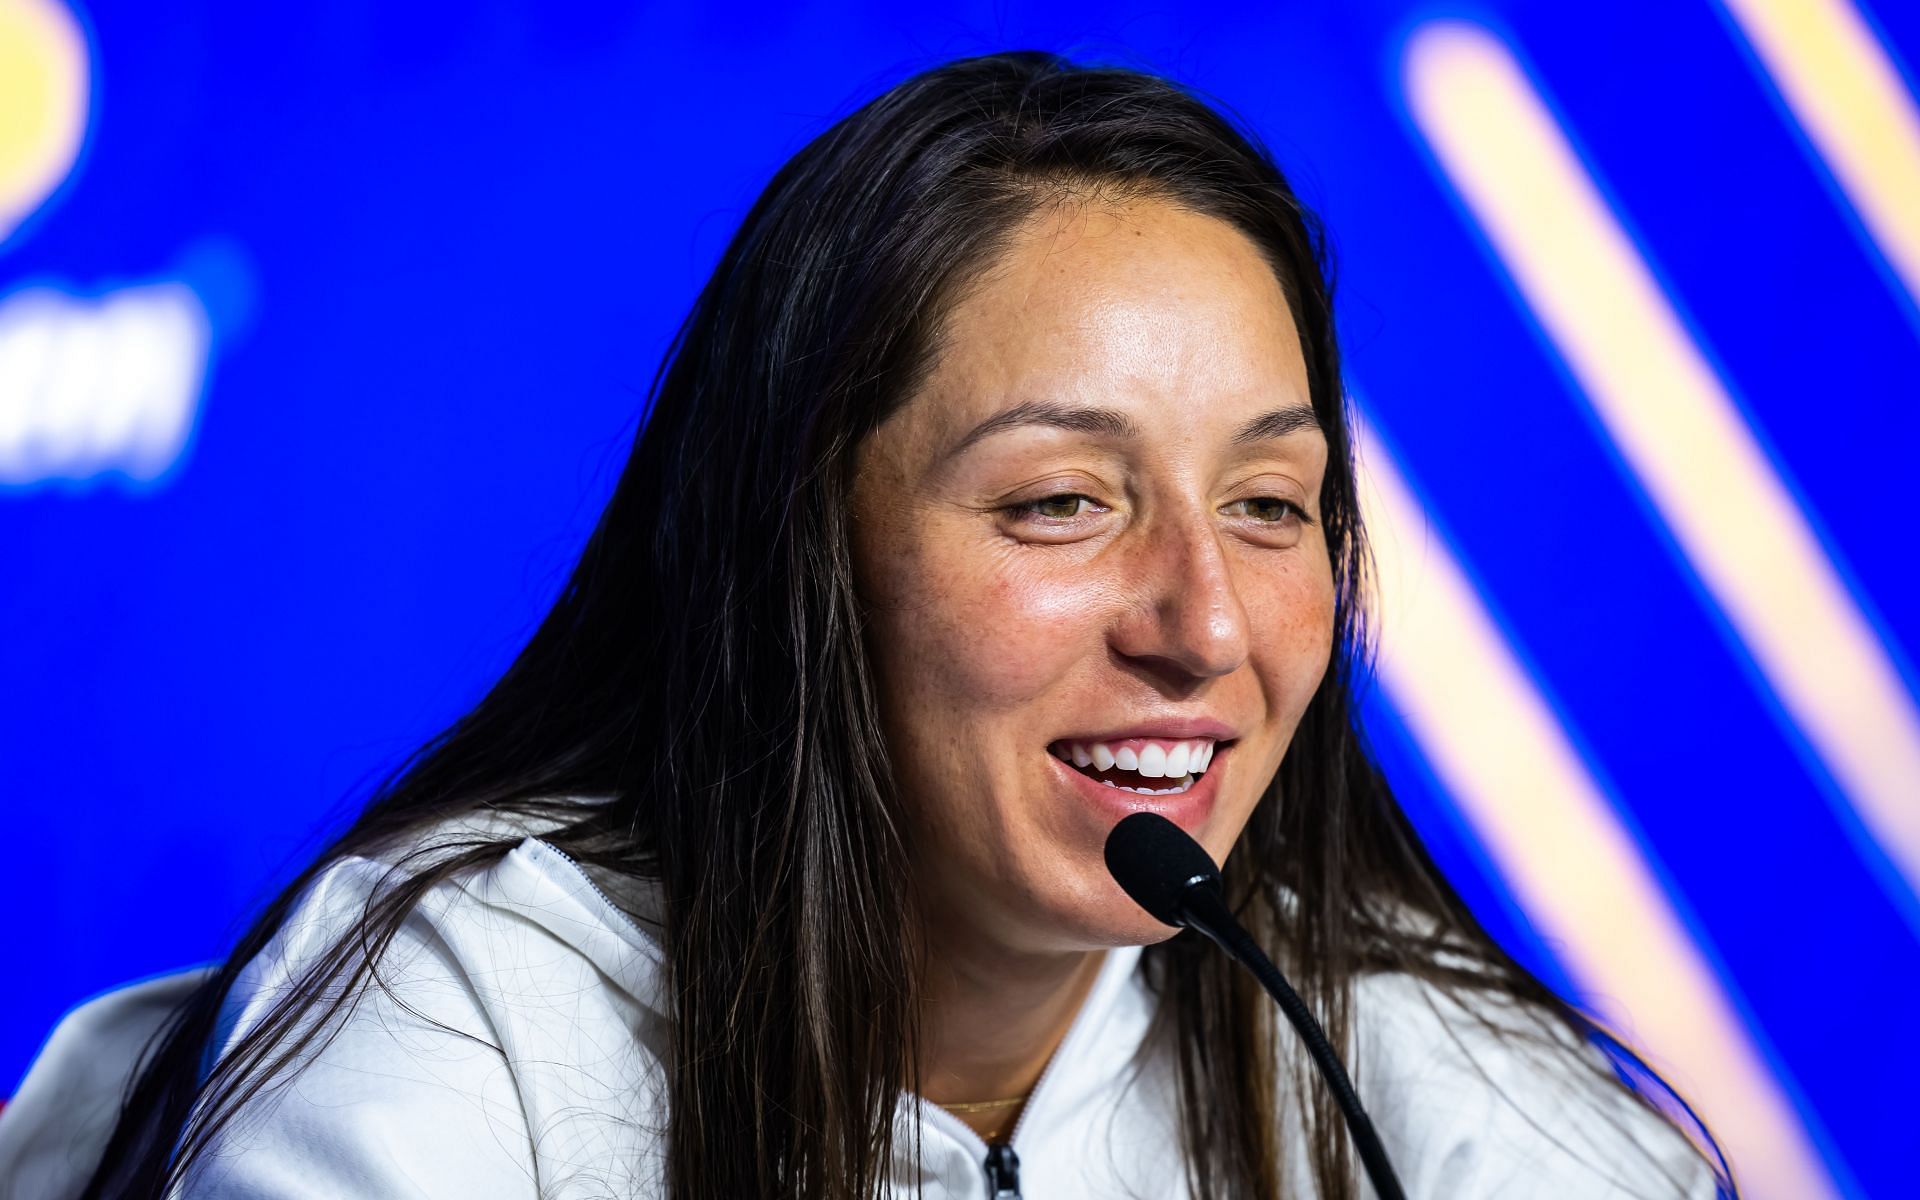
{"x":1003,"y":1173}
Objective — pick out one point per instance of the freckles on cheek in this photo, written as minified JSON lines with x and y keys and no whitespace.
{"x":1007,"y":632}
{"x":1294,"y":624}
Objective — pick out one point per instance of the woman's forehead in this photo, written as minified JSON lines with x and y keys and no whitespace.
{"x":1160,"y":316}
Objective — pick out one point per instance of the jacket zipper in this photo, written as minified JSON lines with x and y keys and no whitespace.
{"x":1003,"y":1172}
{"x":1002,"y":1161}
{"x":599,"y":891}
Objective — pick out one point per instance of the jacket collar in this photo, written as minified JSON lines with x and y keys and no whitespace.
{"x":1087,"y":1071}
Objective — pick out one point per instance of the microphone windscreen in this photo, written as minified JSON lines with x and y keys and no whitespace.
{"x":1155,"y":861}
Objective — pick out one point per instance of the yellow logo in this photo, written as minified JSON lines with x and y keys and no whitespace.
{"x":43,"y":104}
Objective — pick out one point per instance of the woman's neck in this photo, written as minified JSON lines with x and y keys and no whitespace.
{"x":991,"y":1019}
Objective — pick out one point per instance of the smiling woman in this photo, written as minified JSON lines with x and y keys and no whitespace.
{"x":998,"y":486}
{"x":1144,"y":546}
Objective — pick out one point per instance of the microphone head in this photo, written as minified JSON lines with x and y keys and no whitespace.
{"x":1155,"y":862}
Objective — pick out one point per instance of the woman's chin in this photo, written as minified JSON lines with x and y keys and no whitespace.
{"x":1101,"y":918}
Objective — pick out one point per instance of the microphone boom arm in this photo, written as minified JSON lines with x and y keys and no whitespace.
{"x":1203,"y":909}
{"x":1171,"y":876}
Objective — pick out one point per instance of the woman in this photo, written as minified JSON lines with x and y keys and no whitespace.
{"x":998,"y":484}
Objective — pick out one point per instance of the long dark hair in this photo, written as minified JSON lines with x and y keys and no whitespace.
{"x":697,"y":708}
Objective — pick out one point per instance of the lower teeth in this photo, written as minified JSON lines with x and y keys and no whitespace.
{"x":1185,"y":783}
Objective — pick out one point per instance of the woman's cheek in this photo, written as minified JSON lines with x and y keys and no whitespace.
{"x":1293,"y":628}
{"x":1013,"y":628}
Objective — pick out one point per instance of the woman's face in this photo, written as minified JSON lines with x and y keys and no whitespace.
{"x":1091,"y":556}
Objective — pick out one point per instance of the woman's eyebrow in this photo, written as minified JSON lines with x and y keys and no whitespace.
{"x":1050,"y":413}
{"x":1278,"y":424}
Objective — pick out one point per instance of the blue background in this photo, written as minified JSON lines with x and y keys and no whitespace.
{"x":444,"y":249}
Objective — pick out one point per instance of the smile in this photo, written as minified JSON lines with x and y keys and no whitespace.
{"x":1144,"y":766}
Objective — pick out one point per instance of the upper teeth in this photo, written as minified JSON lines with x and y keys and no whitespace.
{"x":1155,"y":759}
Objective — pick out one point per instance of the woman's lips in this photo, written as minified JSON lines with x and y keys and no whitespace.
{"x":1186,"y":808}
{"x":1209,"y":728}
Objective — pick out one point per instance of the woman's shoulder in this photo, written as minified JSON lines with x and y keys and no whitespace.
{"x":498,"y":910}
{"x":512,"y":1020}
{"x":1478,"y":1093}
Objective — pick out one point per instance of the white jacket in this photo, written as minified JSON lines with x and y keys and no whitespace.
{"x":516,"y":1053}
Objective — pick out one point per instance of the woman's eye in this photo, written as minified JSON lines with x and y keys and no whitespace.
{"x":1271,"y":509}
{"x":1063,"y":506}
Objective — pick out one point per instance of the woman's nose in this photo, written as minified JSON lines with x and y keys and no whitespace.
{"x":1184,"y":614}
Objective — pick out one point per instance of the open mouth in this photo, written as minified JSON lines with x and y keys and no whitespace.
{"x":1146,"y":766}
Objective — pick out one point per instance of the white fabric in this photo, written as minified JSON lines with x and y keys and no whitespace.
{"x":517,"y":1049}
{"x":54,"y":1130}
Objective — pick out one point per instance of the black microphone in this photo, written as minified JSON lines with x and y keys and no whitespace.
{"x":1173,"y":878}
